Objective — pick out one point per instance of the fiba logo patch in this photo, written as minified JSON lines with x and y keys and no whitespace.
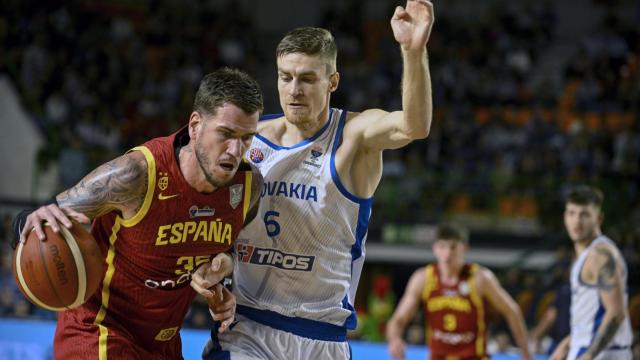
{"x":256,"y":155}
{"x":316,"y":152}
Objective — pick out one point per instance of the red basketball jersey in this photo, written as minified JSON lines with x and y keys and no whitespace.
{"x":455,"y":316}
{"x":145,"y":292}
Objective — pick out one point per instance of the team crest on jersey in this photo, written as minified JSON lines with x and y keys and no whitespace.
{"x":235,"y":195}
{"x":256,"y":155}
{"x":463,"y":287}
{"x":314,"y":157}
{"x":195,"y":211}
{"x":163,"y":182}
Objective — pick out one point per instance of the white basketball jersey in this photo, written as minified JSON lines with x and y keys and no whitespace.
{"x":302,"y":255}
{"x":587,"y":312}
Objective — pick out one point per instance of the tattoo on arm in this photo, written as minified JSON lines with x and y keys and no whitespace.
{"x":604,"y":336}
{"x":120,"y":184}
{"x":607,"y":273}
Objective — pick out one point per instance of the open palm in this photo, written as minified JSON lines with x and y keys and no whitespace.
{"x":412,"y":24}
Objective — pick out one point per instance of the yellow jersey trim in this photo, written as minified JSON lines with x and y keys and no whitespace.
{"x":248,"y":177}
{"x":151,"y":185}
{"x":477,"y":300}
{"x":106,"y":282}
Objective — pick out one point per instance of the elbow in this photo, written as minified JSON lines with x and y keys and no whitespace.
{"x":418,"y":134}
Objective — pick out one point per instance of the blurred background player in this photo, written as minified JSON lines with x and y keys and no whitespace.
{"x":159,"y":212}
{"x":300,"y":261}
{"x":600,"y":326}
{"x":455,"y":295}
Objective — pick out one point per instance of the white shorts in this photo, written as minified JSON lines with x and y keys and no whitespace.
{"x":248,"y":339}
{"x":611,"y":353}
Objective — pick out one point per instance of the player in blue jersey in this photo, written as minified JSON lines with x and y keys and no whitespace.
{"x":600,"y":326}
{"x":298,"y":263}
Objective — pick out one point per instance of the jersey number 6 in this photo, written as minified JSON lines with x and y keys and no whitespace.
{"x":272,"y":226}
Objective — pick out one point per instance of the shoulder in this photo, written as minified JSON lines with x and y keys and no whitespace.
{"x":484,"y":276}
{"x":270,"y":126}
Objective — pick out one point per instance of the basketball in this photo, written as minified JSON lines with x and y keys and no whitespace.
{"x":61,"y":272}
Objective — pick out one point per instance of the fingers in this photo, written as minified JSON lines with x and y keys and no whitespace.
{"x":200,"y":286}
{"x":77,"y":216}
{"x":223,"y":309}
{"x":399,"y":13}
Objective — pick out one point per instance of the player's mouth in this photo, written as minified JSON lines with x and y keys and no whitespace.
{"x":227,"y":166}
{"x":296,"y":105}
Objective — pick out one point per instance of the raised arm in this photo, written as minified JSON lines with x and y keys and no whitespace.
{"x":404,"y":313}
{"x":602,"y":269}
{"x":491,"y":289}
{"x":383,"y":130}
{"x":120,"y":184}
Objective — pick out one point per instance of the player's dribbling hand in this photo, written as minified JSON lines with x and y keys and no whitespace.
{"x":222,"y":306}
{"x":53,"y":215}
{"x":396,"y":349}
{"x":412,"y":24}
{"x":209,"y":274}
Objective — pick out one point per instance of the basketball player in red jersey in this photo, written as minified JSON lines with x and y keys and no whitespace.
{"x":159,"y":212}
{"x":454,"y":294}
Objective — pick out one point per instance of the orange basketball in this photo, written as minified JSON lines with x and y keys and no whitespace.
{"x":61,"y":272}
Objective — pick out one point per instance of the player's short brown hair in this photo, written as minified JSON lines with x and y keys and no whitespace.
{"x":227,"y":85}
{"x":586,"y":195}
{"x":452,"y":231}
{"x":310,"y":41}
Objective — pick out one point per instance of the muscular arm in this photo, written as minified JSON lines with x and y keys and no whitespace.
{"x":120,"y":184}
{"x":404,"y":312}
{"x":602,"y":269}
{"x":490,"y":288}
{"x":382,"y":130}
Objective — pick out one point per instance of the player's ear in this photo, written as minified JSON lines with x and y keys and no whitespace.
{"x":334,"y":79}
{"x":195,"y":121}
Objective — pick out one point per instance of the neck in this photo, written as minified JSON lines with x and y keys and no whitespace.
{"x":449,"y":274}
{"x":191,"y":171}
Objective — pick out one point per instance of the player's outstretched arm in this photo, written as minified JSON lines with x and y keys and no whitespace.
{"x":404,"y":313}
{"x":120,"y":184}
{"x":381,"y":130}
{"x":490,"y":288}
{"x":602,"y":269}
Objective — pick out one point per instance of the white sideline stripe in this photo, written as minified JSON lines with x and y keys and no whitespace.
{"x":80,"y":268}
{"x":26,"y":289}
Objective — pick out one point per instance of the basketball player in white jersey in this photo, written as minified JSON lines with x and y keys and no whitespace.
{"x":600,"y":326}
{"x":298,"y":263}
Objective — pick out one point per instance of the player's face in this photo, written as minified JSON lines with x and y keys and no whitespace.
{"x":222,"y":140}
{"x":449,"y":253}
{"x":304,"y":85}
{"x":582,"y":221}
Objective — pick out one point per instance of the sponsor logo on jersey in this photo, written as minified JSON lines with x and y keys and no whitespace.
{"x":167,"y":334}
{"x":256,"y":155}
{"x":235,"y":195}
{"x":195,"y":211}
{"x":290,"y":190}
{"x":181,"y":232}
{"x":272,"y":257}
{"x":314,"y":157}
{"x":453,"y":338}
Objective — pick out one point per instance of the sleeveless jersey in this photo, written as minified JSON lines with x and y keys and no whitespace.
{"x":145,"y":292}
{"x":587,"y":312}
{"x":302,"y":255}
{"x":455,"y":316}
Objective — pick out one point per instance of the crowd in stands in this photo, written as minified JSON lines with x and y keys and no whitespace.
{"x":508,"y":139}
